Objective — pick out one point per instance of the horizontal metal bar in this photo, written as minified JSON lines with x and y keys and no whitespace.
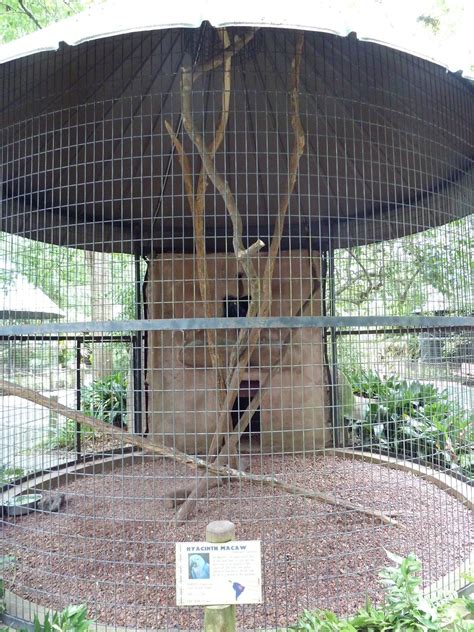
{"x":391,"y":330}
{"x":67,"y":337}
{"x":274,"y":322}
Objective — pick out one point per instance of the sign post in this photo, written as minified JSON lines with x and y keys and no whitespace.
{"x":220,"y":618}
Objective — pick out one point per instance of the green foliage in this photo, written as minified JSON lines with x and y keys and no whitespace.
{"x":415,"y":420}
{"x":366,"y":383}
{"x":5,"y":562}
{"x":71,"y":619}
{"x":51,"y":268}
{"x":8,"y":474}
{"x":66,"y":352}
{"x":65,"y":275}
{"x":65,"y":436}
{"x":322,"y":621}
{"x":7,"y":279}
{"x":106,"y":399}
{"x":21,"y":17}
{"x":405,"y":608}
{"x":345,"y":396}
{"x":429,"y":21}
{"x":123,"y":293}
{"x":398,"y":274}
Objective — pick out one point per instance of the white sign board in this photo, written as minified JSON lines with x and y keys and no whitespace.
{"x":209,"y":574}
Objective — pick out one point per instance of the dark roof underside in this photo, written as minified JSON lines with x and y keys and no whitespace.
{"x":86,"y":159}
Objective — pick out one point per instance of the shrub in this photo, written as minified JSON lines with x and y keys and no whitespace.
{"x":106,"y":399}
{"x":415,"y":420}
{"x":65,"y":437}
{"x":71,"y":619}
{"x":405,"y":607}
{"x":9,"y":474}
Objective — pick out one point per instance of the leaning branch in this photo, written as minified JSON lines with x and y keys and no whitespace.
{"x":296,"y":153}
{"x":8,"y":388}
{"x":229,"y":51}
{"x":223,"y":187}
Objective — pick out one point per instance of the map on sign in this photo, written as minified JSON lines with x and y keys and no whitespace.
{"x":209,"y":574}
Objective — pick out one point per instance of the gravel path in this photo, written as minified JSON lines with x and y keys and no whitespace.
{"x":113,"y":546}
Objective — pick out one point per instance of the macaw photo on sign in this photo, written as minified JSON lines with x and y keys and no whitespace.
{"x":199,"y":566}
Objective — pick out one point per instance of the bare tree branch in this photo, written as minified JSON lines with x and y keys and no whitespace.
{"x":352,"y":254}
{"x":229,"y":51}
{"x":406,"y":289}
{"x":258,"y":304}
{"x":296,"y":153}
{"x":199,"y":223}
{"x":230,"y":473}
{"x":364,"y":273}
{"x":30,"y":15}
{"x":197,"y":206}
{"x":247,"y":264}
{"x":218,"y":181}
{"x":342,"y":288}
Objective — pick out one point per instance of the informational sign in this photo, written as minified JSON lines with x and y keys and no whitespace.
{"x":209,"y":574}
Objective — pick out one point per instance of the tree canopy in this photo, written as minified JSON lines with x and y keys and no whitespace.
{"x":20,"y":17}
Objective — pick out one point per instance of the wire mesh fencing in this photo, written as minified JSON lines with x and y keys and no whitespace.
{"x":255,"y":258}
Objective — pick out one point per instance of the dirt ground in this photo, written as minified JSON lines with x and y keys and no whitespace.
{"x":113,"y":545}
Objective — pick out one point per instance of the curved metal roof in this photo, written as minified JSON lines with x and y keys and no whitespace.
{"x":372,"y":21}
{"x":87,"y":160}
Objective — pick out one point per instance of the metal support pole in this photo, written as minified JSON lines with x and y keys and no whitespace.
{"x":78,"y":394}
{"x":137,"y":355}
{"x":337,"y":417}
{"x":220,"y":618}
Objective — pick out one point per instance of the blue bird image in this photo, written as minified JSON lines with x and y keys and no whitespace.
{"x":198,"y":567}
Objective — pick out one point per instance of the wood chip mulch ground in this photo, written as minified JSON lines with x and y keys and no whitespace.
{"x":112,"y":547}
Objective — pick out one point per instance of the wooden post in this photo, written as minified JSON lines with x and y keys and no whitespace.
{"x":220,"y":618}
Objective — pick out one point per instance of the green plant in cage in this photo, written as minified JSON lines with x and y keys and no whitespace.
{"x":2,"y":596}
{"x":365,"y":383}
{"x":106,"y":399}
{"x":9,"y":474}
{"x":415,"y":420}
{"x":405,"y":607}
{"x":6,"y":561}
{"x":71,"y":619}
{"x":65,"y":436}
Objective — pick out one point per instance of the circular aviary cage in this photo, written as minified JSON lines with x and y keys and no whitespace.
{"x":260,"y":243}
